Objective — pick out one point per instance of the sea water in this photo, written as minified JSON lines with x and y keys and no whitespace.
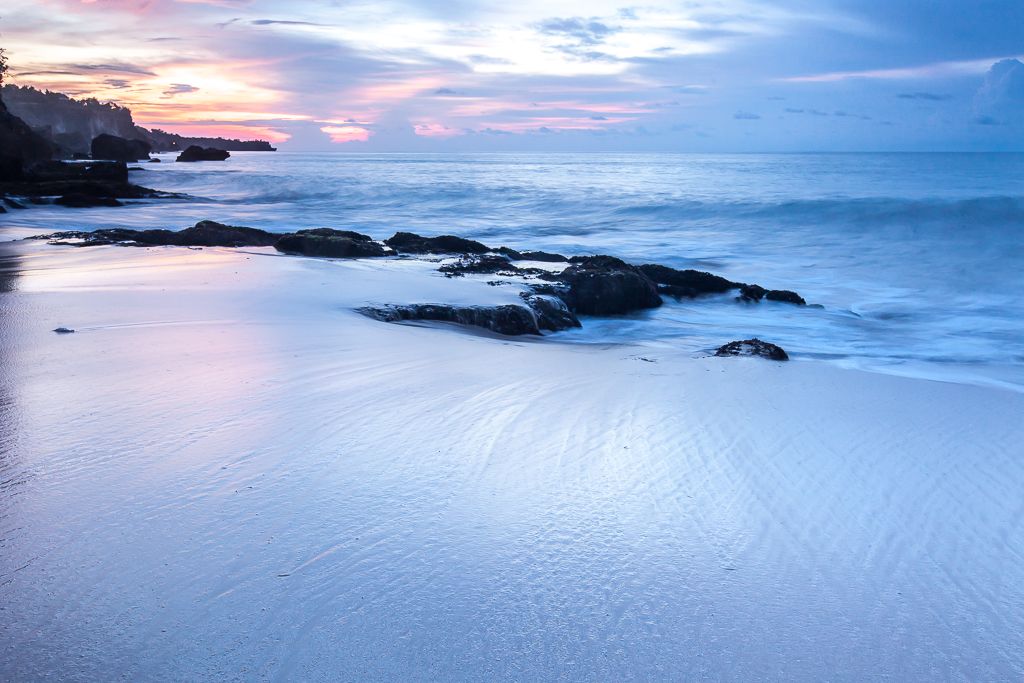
{"x":916,"y":260}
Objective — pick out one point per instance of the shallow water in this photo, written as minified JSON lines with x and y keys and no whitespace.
{"x":918,"y":259}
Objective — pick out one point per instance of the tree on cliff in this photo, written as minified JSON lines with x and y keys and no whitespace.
{"x":3,"y":65}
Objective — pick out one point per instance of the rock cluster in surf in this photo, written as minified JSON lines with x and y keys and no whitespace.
{"x":598,"y":285}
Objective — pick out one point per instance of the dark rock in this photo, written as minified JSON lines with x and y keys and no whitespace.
{"x":552,"y":313}
{"x":510,"y":319}
{"x":487,"y":264}
{"x":197,"y":153}
{"x":94,"y":188}
{"x":55,"y":171}
{"x":327,"y":243}
{"x":111,"y":147}
{"x":509,"y":252}
{"x":82,"y":200}
{"x":785,"y":296}
{"x":605,"y":285}
{"x":411,"y":243}
{"x":545,"y":256}
{"x":19,"y":146}
{"x":331,"y":232}
{"x":213,"y":234}
{"x":752,"y":347}
{"x":686,"y":283}
{"x":530,"y":255}
{"x":752,"y":293}
{"x":202,"y":234}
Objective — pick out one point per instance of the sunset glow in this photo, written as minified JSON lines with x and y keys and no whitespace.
{"x":408,"y":74}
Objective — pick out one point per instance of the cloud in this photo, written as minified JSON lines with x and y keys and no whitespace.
{"x":584,"y":31}
{"x":746,"y":116}
{"x":929,"y":96}
{"x":282,"y":22}
{"x":1000,"y":99}
{"x":180,"y":89}
{"x":114,"y":67}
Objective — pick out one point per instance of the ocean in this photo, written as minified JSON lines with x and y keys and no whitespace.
{"x":916,"y":260}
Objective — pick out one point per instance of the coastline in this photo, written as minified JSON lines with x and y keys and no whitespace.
{"x":228,"y":472}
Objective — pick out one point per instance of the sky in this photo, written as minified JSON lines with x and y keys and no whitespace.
{"x":546,"y":75}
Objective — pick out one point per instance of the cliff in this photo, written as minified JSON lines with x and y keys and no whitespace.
{"x":20,"y":146}
{"x":71,"y":124}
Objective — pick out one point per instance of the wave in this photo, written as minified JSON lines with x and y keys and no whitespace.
{"x":993,"y":210}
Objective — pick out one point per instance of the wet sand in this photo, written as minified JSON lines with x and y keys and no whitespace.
{"x":226,"y":473}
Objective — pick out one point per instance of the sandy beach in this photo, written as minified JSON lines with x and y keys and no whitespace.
{"x":226,"y":473}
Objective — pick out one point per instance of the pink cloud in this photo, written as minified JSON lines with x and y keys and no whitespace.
{"x":342,"y":134}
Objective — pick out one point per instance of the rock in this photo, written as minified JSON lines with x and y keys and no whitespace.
{"x":76,"y":189}
{"x":509,"y":319}
{"x":686,"y":283}
{"x":411,"y":243}
{"x":545,"y":256}
{"x":551,"y":312}
{"x":64,"y":330}
{"x":202,"y":234}
{"x":331,"y":232}
{"x":752,"y":347}
{"x":82,"y":200}
{"x":752,"y":293}
{"x":19,"y":146}
{"x":327,"y":243}
{"x":214,"y":234}
{"x":56,"y":171}
{"x":605,"y":285}
{"x":509,"y":252}
{"x":197,"y":153}
{"x":111,"y":147}
{"x":488,"y":264}
{"x":785,"y":296}
{"x":530,"y":255}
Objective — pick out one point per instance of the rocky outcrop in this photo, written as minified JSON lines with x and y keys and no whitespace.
{"x":551,"y":312}
{"x":328,"y":243}
{"x":97,"y":183}
{"x":510,"y":319}
{"x":71,"y":124}
{"x":197,"y":153}
{"x":752,"y":347}
{"x":172,"y":142}
{"x":202,"y":234}
{"x":84,"y":200}
{"x":544,"y":256}
{"x":113,"y":148}
{"x":755,"y":293}
{"x":605,"y":285}
{"x":411,"y":243}
{"x":540,"y":312}
{"x":100,"y":171}
{"x":686,"y":283}
{"x":20,"y":146}
{"x":487,"y":264}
